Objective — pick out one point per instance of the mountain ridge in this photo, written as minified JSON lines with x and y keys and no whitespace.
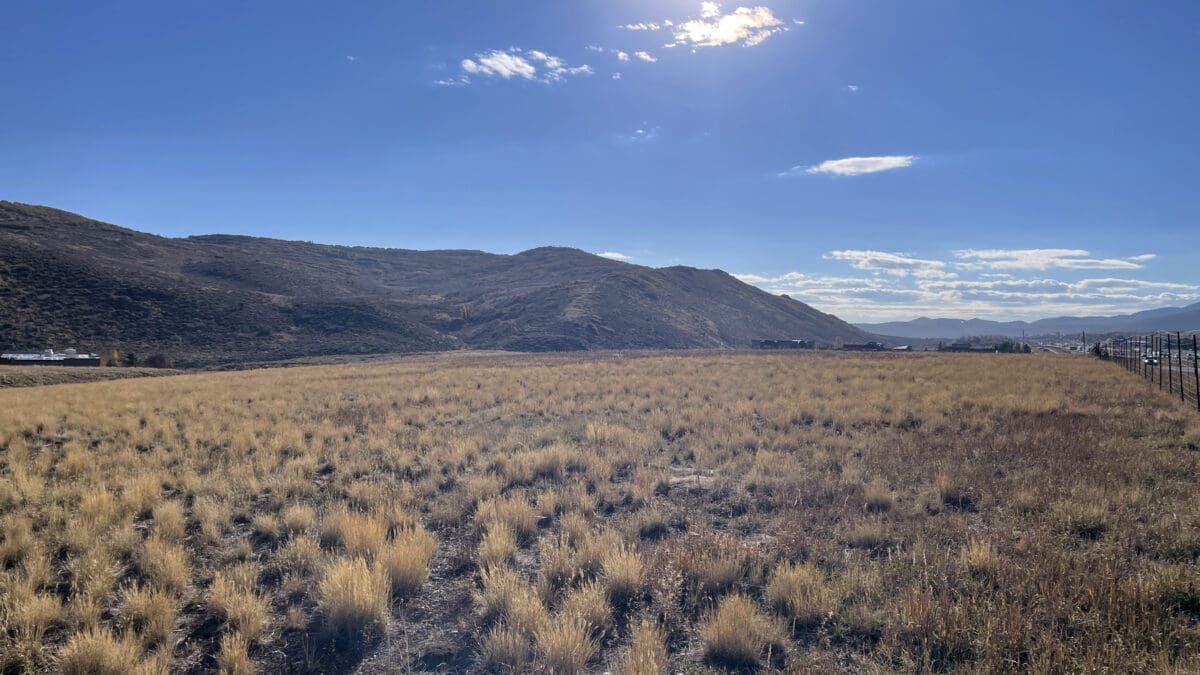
{"x":1185,"y":318}
{"x":66,"y":280}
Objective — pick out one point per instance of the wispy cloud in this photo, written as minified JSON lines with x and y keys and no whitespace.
{"x":896,"y":264}
{"x":902,"y":286}
{"x":852,"y":88}
{"x":516,"y":63}
{"x":613,"y":255}
{"x":351,"y":59}
{"x":645,"y":56}
{"x":853,"y":166}
{"x":647,"y":25}
{"x":1045,"y":259}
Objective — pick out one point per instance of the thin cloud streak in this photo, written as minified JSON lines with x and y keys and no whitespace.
{"x":853,"y":166}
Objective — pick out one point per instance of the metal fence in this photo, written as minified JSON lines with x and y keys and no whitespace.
{"x":1168,"y":360}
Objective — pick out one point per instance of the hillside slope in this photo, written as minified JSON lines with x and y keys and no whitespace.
{"x":69,"y":280}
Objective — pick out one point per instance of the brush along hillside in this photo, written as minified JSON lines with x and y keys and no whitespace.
{"x":799,"y":512}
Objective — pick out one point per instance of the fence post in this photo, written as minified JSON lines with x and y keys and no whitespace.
{"x":1196,"y":370}
{"x":1179,"y":344}
{"x":1170,"y":370}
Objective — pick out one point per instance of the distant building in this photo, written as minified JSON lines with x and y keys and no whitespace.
{"x":867,"y":347}
{"x":782,"y":344}
{"x":969,"y":347}
{"x":49,"y":357}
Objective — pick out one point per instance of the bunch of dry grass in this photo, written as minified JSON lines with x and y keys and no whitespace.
{"x":739,"y":635}
{"x":647,"y":654}
{"x":353,"y":598}
{"x":152,"y":613}
{"x":97,"y":652}
{"x":406,"y":560}
{"x":800,"y":592}
{"x":566,"y":644}
{"x":622,"y":575}
{"x":498,"y":546}
{"x":238,"y":604}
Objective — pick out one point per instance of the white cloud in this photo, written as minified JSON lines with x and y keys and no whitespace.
{"x":650,"y":25}
{"x":616,"y":76}
{"x":613,"y":255}
{"x":852,"y":88}
{"x":351,"y":59}
{"x":622,"y":56}
{"x":748,"y":26}
{"x":645,"y":56}
{"x":854,"y":166}
{"x":641,"y":135}
{"x":516,"y":63}
{"x":896,"y":264}
{"x":1045,"y":259}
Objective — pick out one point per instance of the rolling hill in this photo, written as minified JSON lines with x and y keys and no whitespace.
{"x":66,"y":280}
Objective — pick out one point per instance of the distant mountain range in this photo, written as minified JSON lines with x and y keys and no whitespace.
{"x":1166,"y":319}
{"x":68,"y":281}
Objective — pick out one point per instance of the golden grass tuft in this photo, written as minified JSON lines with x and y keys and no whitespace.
{"x":740,"y":636}
{"x":164,"y":565}
{"x":589,"y":602}
{"x":623,"y":570}
{"x":566,"y":644}
{"x":353,"y":598}
{"x":647,"y":654}
{"x":799,"y":591}
{"x":504,"y":649}
{"x":359,"y":534}
{"x":406,"y":561}
{"x":238,"y":603}
{"x":498,"y":546}
{"x":514,"y":512}
{"x":234,"y":657}
{"x":169,"y":522}
{"x":97,"y":652}
{"x":979,"y":559}
{"x":152,"y":614}
{"x":298,"y":518}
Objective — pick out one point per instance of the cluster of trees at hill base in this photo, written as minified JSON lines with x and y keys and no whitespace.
{"x":115,"y":358}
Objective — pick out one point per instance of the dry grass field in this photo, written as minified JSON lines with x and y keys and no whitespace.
{"x":38,"y":376}
{"x":792,"y":512}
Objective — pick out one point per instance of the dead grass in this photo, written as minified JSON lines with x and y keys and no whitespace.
{"x":801,"y":512}
{"x":739,"y":635}
{"x":353,"y":599}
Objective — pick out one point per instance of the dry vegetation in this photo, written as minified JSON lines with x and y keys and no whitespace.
{"x":798,"y":512}
{"x":37,"y":376}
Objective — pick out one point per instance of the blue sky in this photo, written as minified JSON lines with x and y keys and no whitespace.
{"x":879,"y":160}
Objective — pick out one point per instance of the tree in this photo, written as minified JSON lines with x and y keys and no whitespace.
{"x":158,"y":361}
